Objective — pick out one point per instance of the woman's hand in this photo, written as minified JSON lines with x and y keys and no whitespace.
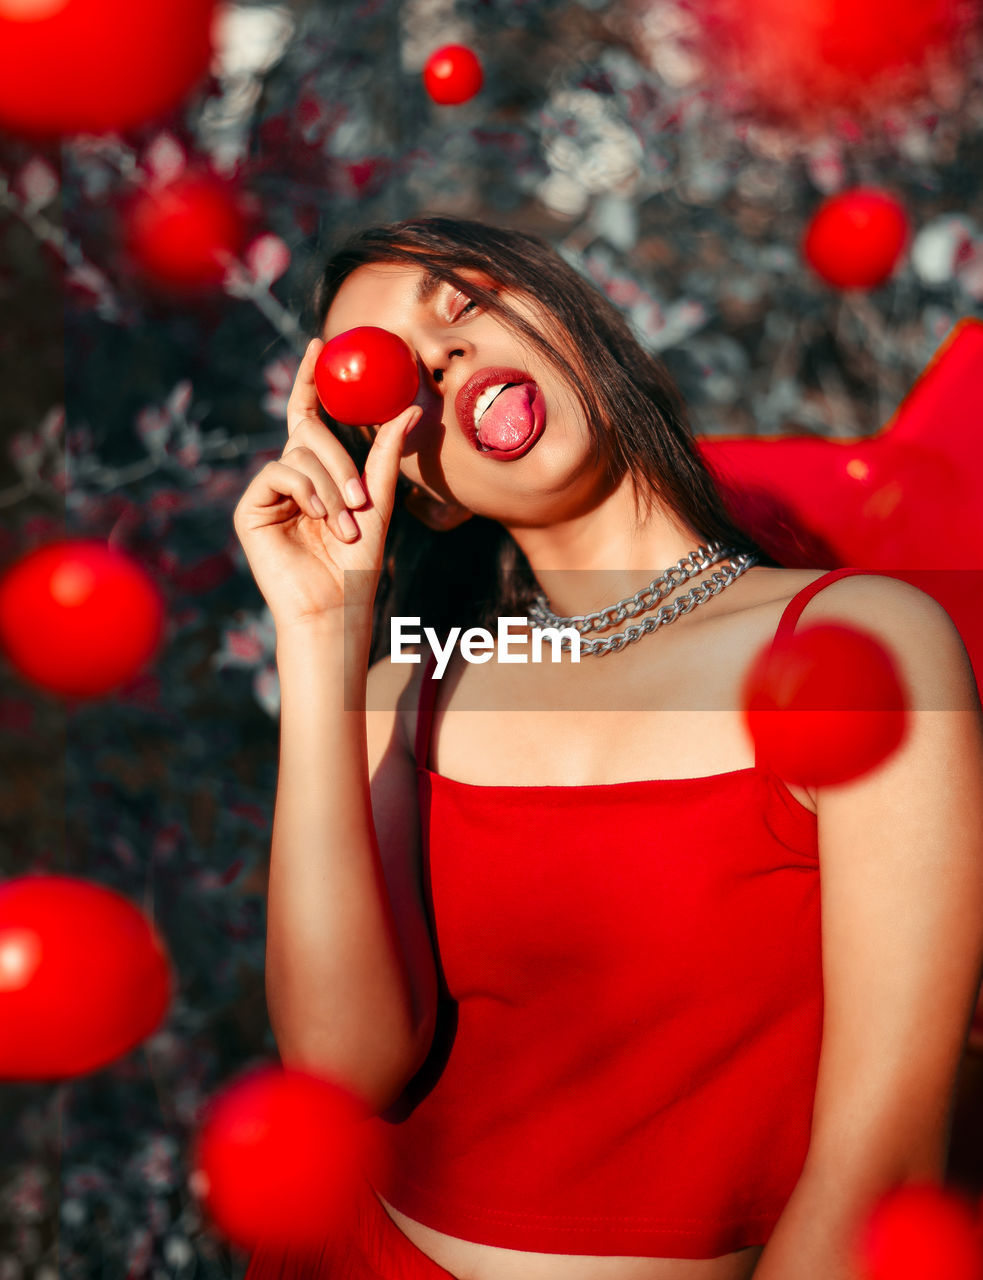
{"x":299,"y":553}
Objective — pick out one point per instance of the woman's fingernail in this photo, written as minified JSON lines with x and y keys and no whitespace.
{"x":354,"y":493}
{"x":347,"y":525}
{"x":318,"y":505}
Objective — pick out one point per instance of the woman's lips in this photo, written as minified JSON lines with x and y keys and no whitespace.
{"x":517,"y":413}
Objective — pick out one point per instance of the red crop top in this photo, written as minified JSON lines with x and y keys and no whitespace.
{"x":628,"y":1044}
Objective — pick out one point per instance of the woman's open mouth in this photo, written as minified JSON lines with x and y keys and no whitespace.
{"x":502,"y":412}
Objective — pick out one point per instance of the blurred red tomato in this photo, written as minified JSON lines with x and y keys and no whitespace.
{"x":83,"y":977}
{"x":813,"y":55}
{"x":183,"y":235}
{"x":366,"y":376}
{"x":824,"y":704}
{"x":921,"y":1232}
{"x":279,"y":1157}
{"x":79,"y":617}
{"x":855,"y":239}
{"x":87,"y":66}
{"x":452,"y":74}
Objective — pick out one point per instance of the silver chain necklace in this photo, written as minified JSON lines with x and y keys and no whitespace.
{"x":688,"y":567}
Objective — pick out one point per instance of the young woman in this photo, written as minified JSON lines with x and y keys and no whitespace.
{"x":576,"y":962}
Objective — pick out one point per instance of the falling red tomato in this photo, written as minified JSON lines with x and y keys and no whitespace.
{"x":452,"y":74}
{"x":921,"y":1232}
{"x":79,"y":618}
{"x":83,"y":977}
{"x":366,"y":376}
{"x":279,"y":1157}
{"x":855,"y":239}
{"x":184,"y":235}
{"x":824,"y":704}
{"x":88,"y":66}
{"x":813,"y":55}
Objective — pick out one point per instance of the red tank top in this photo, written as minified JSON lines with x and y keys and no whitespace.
{"x":628,"y":1044}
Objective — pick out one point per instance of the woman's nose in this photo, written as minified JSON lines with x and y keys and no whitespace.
{"x":437,"y":360}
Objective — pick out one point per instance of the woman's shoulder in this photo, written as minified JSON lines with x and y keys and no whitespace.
{"x":868,"y":592}
{"x":911,"y":624}
{"x":858,"y":591}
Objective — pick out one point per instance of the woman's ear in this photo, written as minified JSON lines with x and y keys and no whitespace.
{"x":433,"y":512}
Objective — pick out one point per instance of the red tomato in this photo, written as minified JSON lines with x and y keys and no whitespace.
{"x":855,"y":239}
{"x":83,"y":977}
{"x":825,"y":704}
{"x":811,"y":55}
{"x":73,"y":66}
{"x":79,"y":617}
{"x":366,"y":376}
{"x":182,"y":235}
{"x":452,"y":74}
{"x":279,"y":1157}
{"x":921,"y":1232}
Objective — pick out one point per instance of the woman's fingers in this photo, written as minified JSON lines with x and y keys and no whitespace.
{"x":313,"y":435}
{"x":303,"y":401}
{"x":382,"y":464}
{"x":318,"y":453}
{"x":326,"y":489}
{"x":306,"y":480}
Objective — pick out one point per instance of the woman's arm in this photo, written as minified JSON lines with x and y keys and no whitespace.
{"x":350,"y":977}
{"x":901,"y":869}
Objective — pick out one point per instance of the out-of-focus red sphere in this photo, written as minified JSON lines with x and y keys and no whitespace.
{"x":813,"y":55}
{"x":921,"y":1232}
{"x":855,"y":239}
{"x":365,"y":376}
{"x":183,"y":235}
{"x":88,"y":66}
{"x":83,"y":977}
{"x":79,"y":618}
{"x":452,"y":74}
{"x":824,"y":704}
{"x":279,"y":1156}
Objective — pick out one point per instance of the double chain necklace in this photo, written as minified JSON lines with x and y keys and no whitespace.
{"x":688,"y":567}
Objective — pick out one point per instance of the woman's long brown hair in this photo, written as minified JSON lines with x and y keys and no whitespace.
{"x":637,"y":421}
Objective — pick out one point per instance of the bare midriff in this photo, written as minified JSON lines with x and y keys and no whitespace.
{"x":467,"y":1260}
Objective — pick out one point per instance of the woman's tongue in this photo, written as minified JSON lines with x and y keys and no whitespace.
{"x":507,"y":423}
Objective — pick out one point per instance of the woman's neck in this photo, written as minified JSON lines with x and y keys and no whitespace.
{"x":604,"y":554}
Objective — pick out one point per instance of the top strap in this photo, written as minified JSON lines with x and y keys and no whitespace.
{"x":791,"y":612}
{"x":424,"y":711}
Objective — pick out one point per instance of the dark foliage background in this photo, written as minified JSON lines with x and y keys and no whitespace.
{"x":133,"y":416}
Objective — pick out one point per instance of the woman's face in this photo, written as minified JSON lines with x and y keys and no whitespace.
{"x":502,"y":433}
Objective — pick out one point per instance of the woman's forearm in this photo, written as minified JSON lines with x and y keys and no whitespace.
{"x":337,"y":988}
{"x":814,"y":1239}
{"x":818,"y":1234}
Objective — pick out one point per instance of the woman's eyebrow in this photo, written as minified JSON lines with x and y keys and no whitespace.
{"x":428,"y":287}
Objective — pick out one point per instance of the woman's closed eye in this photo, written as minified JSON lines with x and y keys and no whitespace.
{"x":461,"y":305}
